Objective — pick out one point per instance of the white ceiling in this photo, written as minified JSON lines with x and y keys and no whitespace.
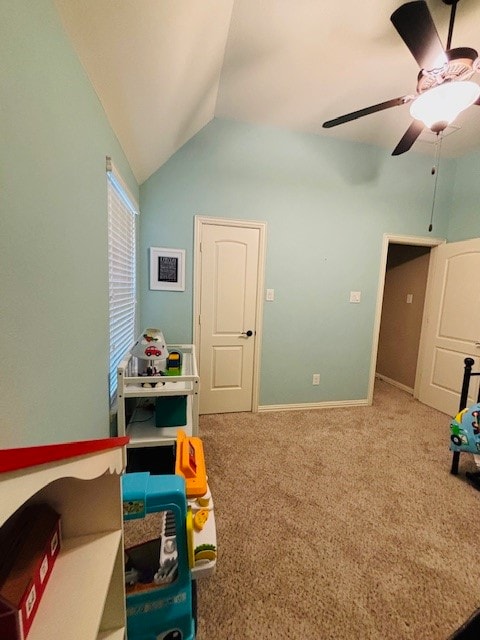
{"x":163,"y":69}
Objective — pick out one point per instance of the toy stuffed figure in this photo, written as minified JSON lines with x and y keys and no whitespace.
{"x":465,"y":436}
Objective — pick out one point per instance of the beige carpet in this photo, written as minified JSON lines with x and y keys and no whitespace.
{"x":339,"y":524}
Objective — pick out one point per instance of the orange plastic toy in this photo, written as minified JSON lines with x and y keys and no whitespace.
{"x":190,"y":463}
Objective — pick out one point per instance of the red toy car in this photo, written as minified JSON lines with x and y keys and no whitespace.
{"x":152,"y":351}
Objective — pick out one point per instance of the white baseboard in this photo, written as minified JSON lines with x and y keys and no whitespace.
{"x":312,"y":405}
{"x":394,"y":383}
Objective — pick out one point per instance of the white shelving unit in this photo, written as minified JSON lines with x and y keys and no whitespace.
{"x":84,"y":598}
{"x":141,"y":429}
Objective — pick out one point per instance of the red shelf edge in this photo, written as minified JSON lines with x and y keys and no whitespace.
{"x":22,"y":458}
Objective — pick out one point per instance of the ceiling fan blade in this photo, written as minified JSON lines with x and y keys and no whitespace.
{"x":409,"y":137}
{"x":348,"y":117}
{"x":415,"y":25}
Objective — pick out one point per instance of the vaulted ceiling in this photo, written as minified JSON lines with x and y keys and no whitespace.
{"x":163,"y":69}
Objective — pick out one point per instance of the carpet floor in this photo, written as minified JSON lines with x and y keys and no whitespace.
{"x":338,"y":524}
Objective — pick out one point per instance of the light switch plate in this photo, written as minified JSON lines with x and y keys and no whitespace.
{"x":355,"y":296}
{"x":270,"y":295}
{"x":409,"y":298}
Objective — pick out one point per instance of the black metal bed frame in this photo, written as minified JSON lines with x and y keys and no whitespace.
{"x":467,"y":375}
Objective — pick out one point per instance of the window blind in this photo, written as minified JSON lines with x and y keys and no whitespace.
{"x":122,"y":211}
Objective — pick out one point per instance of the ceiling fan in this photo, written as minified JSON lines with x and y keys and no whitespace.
{"x":444,"y":88}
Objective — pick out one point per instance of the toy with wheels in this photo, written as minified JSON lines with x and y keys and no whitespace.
{"x":170,"y":541}
{"x":465,"y":431}
{"x":158,"y":579}
{"x":462,"y":436}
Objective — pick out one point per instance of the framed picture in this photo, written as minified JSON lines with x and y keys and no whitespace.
{"x":167,"y":269}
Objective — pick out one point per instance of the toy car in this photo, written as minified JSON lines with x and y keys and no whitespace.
{"x":152,"y":351}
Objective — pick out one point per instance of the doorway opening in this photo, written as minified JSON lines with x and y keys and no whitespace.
{"x":400,"y":314}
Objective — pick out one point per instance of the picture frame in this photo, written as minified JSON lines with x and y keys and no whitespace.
{"x":167,"y":269}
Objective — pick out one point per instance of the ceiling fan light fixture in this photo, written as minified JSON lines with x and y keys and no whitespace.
{"x":438,"y":107}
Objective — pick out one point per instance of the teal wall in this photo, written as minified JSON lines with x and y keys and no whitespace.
{"x":54,"y":137}
{"x":327,"y":204}
{"x":464,"y":220}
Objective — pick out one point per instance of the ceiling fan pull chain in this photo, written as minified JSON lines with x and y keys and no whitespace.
{"x":452,"y":21}
{"x":435,"y":170}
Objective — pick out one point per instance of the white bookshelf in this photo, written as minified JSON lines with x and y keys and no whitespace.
{"x":84,"y":598}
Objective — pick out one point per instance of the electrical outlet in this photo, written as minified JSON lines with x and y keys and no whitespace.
{"x":316,"y":378}
{"x":355,"y":296}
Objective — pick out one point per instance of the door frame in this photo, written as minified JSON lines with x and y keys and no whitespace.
{"x":200,"y":221}
{"x":418,"y":241}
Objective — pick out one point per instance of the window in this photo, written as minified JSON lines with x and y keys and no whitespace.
{"x":122,"y":211}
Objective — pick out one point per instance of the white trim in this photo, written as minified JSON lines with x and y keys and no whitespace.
{"x":388,"y":238}
{"x":250,"y":224}
{"x":127,"y":195}
{"x":306,"y":406}
{"x":394,"y":383}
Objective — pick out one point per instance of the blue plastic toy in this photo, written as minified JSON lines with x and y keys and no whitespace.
{"x":465,"y":430}
{"x":157,"y":573}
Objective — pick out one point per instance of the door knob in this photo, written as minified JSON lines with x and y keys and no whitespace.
{"x":247,"y":333}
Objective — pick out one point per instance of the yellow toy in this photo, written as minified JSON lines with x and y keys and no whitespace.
{"x":200,"y":521}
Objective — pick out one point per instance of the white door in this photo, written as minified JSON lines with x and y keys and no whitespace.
{"x":230,"y":263}
{"x":452,"y":332}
